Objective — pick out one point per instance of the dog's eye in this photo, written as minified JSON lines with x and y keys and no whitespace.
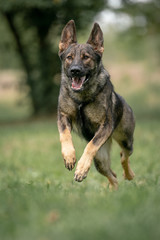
{"x":85,"y":57}
{"x":69,"y":57}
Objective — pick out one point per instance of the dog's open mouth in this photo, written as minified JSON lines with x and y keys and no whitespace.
{"x":77,"y":82}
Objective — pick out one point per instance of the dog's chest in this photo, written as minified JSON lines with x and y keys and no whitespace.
{"x":88,"y":120}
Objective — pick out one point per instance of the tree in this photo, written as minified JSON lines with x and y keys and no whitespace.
{"x":35,"y":25}
{"x":143,"y":34}
{"x":145,"y":14}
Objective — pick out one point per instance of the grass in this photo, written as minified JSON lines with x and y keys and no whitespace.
{"x":40,"y":200}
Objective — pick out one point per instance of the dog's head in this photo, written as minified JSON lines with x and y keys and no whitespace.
{"x":80,"y":61}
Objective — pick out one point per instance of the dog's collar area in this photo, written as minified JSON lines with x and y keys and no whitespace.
{"x":83,"y":102}
{"x":77,"y":82}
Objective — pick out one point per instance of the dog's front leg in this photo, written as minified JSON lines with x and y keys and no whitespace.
{"x":90,"y":151}
{"x":67,"y":148}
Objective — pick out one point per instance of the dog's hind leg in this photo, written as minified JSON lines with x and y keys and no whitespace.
{"x":127,"y":149}
{"x":102,"y":164}
{"x":123,"y":135}
{"x":128,"y":173}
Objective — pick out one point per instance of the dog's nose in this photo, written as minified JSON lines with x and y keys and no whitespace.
{"x":75,"y":70}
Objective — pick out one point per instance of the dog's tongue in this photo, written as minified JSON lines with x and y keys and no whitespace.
{"x":77,"y":82}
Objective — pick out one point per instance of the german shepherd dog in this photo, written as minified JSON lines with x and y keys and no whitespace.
{"x":89,"y":105}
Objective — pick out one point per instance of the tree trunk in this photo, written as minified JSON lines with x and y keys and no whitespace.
{"x":43,"y":90}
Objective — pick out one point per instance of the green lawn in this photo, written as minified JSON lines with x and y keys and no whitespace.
{"x":40,"y":200}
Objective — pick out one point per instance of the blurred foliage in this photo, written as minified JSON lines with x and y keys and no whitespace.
{"x":35,"y":25}
{"x":145,"y":17}
{"x":33,"y":28}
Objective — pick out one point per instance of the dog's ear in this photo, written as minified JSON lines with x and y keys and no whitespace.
{"x":68,"y":36}
{"x":96,"y":39}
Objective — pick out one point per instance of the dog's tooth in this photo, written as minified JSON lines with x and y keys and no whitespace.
{"x":83,"y":78}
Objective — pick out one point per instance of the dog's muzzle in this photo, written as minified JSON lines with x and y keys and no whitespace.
{"x":77,"y":78}
{"x":77,"y":82}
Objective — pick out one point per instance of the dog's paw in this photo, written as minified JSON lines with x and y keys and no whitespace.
{"x":70,"y":164}
{"x":81,"y":171}
{"x":69,"y":159}
{"x":129,"y":175}
{"x":79,"y":176}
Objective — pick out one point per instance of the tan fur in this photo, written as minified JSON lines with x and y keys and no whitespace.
{"x":128,"y":173}
{"x":68,"y":151}
{"x":85,"y":161}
